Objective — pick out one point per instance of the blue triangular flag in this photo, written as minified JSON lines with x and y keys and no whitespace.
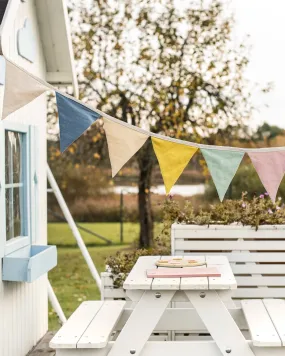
{"x":222,"y":165}
{"x":74,"y":119}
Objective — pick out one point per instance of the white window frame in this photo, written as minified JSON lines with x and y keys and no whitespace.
{"x":31,"y":188}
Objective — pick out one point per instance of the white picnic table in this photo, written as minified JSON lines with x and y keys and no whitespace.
{"x":154,"y":295}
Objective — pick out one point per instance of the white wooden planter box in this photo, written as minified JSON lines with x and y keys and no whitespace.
{"x":257,"y":257}
{"x":108,"y":291}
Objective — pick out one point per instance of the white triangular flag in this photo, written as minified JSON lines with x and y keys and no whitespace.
{"x":123,"y":143}
{"x":20,"y":89}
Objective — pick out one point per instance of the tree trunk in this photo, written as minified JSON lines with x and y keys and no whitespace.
{"x":145,"y":161}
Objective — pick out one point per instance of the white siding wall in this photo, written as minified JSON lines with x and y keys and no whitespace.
{"x":23,"y":306}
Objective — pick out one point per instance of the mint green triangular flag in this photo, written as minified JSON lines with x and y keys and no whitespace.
{"x":222,"y":165}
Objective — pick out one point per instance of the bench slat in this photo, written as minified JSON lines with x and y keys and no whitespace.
{"x":99,"y":330}
{"x":276,"y":310}
{"x":71,"y":332}
{"x":262,"y":330}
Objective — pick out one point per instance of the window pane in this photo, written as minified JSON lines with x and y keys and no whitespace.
{"x":13,"y":153}
{"x":18,"y":212}
{"x":16,"y":185}
{"x":14,"y":213}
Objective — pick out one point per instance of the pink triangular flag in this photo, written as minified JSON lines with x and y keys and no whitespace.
{"x":270,"y":166}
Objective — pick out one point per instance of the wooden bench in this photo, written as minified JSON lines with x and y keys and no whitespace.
{"x":266,"y":321}
{"x":90,"y":326}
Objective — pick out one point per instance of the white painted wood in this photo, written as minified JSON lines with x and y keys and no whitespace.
{"x":224,"y":245}
{"x":262,"y":330}
{"x":56,"y":40}
{"x":260,"y":281}
{"x":263,"y":292}
{"x":227,"y":279}
{"x":137,"y":278}
{"x":170,"y":348}
{"x":184,"y":320}
{"x":141,"y":323}
{"x":254,"y":271}
{"x":71,"y":332}
{"x":23,"y":306}
{"x":219,"y":323}
{"x":244,"y":256}
{"x":276,"y":311}
{"x":99,"y":330}
{"x":166,"y":283}
{"x":195,"y":283}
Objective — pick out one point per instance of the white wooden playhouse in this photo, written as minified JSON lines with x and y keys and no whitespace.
{"x":35,"y":35}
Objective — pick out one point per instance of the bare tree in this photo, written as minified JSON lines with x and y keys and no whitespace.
{"x":166,"y":67}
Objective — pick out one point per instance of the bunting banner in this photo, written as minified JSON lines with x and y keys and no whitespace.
{"x":172,"y":159}
{"x":123,"y":143}
{"x":74,"y":119}
{"x":124,"y":139}
{"x":222,"y":165}
{"x":20,"y":89}
{"x":270,"y":167}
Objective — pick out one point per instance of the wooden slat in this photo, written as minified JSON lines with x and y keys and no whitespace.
{"x":260,"y":281}
{"x":170,"y":348}
{"x":137,"y":278}
{"x":243,"y":256}
{"x":166,"y":283}
{"x":71,"y":332}
{"x":193,"y":245}
{"x":262,"y":292}
{"x":195,"y":283}
{"x":183,"y":319}
{"x":262,"y":330}
{"x":259,"y":269}
{"x":227,"y":279}
{"x":231,"y":234}
{"x":276,"y":310}
{"x":99,"y":330}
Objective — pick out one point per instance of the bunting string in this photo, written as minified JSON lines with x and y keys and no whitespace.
{"x":143,"y":131}
{"x":124,"y":139}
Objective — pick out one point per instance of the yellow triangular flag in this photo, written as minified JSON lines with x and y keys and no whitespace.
{"x":172,"y":158}
{"x":20,"y":89}
{"x":123,"y":143}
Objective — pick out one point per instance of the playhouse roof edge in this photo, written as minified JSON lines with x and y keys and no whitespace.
{"x":52,"y":18}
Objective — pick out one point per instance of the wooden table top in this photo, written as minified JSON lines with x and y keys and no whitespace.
{"x":138,"y":280}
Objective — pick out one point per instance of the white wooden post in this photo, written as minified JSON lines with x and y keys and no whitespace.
{"x":55,"y":303}
{"x":73,"y":227}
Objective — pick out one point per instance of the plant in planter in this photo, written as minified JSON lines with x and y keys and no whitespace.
{"x":244,"y":212}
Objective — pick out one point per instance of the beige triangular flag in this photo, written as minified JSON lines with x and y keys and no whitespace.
{"x":123,"y":143}
{"x":20,"y":89}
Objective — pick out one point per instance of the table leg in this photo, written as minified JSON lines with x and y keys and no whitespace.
{"x":141,"y":323}
{"x":219,"y":323}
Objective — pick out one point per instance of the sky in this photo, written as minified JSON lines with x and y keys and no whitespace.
{"x":264,"y":22}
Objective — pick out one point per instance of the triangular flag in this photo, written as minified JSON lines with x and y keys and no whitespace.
{"x":123,"y":143}
{"x":74,"y":119}
{"x":172,"y":158}
{"x":270,"y":166}
{"x":20,"y":89}
{"x":222,"y":165}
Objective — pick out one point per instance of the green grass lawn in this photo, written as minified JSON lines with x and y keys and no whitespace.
{"x":71,"y":278}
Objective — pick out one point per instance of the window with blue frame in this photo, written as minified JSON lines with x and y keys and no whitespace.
{"x":22,"y":259}
{"x":15,"y":184}
{"x":17,"y":195}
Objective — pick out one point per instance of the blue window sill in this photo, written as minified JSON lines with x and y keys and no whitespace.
{"x":29,"y":263}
